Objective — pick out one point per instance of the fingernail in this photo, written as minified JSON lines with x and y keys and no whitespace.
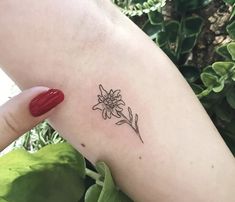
{"x":45,"y":101}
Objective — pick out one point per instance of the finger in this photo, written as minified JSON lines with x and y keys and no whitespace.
{"x":26,"y":110}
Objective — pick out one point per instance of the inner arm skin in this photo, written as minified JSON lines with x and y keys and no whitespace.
{"x":78,"y":44}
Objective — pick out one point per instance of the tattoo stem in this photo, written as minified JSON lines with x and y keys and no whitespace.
{"x":136,"y":128}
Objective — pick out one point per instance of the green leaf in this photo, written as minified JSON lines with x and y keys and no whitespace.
{"x":223,"y":51}
{"x":218,"y":88}
{"x":162,"y":39}
{"x":231,"y":30}
{"x":152,"y":30}
{"x":230,"y":96}
{"x":231,"y":50}
{"x":209,"y":70}
{"x":233,"y":75}
{"x":155,"y":17}
{"x":222,"y":68}
{"x":209,"y":80}
{"x":93,"y":193}
{"x":188,"y":44}
{"x":172,"y":28}
{"x":186,"y":5}
{"x":232,"y":14}
{"x":192,"y":26}
{"x":109,"y":191}
{"x":189,"y":5}
{"x":55,"y":173}
{"x":205,"y":2}
{"x":140,"y":7}
{"x":230,"y":1}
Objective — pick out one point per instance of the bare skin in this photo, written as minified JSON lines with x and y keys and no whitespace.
{"x":77,"y":45}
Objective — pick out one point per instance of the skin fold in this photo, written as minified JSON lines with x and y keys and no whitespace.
{"x":77,"y":45}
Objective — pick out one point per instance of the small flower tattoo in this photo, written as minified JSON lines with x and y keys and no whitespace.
{"x":111,"y":105}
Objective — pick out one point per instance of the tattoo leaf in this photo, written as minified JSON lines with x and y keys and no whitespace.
{"x":130,"y":114}
{"x":121,"y":122}
{"x":136,"y":119}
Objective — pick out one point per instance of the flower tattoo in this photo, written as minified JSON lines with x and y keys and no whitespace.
{"x":111,"y":105}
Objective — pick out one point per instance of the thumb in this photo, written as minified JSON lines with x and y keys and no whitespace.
{"x":26,"y":110}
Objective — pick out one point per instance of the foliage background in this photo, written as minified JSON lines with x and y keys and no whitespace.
{"x":198,"y":37}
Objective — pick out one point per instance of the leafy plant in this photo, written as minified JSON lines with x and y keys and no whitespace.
{"x":179,"y":38}
{"x":133,"y":8}
{"x":218,"y":97}
{"x":189,"y":6}
{"x":218,"y":87}
{"x":104,"y":189}
{"x":232,"y":2}
{"x":177,"y":33}
{"x":41,"y":135}
{"x":55,"y":173}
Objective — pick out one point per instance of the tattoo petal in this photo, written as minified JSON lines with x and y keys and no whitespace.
{"x":100,"y":98}
{"x":116,"y":114}
{"x":98,"y":106}
{"x":116,"y":93}
{"x":102,"y":91}
{"x":109,"y":113}
{"x":104,"y":113}
{"x":121,"y":102}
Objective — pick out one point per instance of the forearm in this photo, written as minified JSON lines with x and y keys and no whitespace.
{"x":77,"y":45}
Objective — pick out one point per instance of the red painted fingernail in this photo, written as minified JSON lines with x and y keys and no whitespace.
{"x":45,"y":101}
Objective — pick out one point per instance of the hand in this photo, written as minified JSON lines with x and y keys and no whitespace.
{"x":26,"y":110}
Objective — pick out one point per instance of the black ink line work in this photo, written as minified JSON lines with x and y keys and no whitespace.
{"x":111,"y":104}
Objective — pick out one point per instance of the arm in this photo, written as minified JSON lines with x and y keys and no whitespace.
{"x":77,"y":45}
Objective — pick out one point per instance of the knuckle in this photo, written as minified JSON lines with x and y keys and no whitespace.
{"x":11,"y":124}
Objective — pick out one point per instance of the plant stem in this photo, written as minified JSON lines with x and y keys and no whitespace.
{"x":180,"y":39}
{"x":92,"y":174}
{"x":95,"y":176}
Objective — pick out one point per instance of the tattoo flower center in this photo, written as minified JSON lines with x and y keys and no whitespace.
{"x":110,"y":103}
